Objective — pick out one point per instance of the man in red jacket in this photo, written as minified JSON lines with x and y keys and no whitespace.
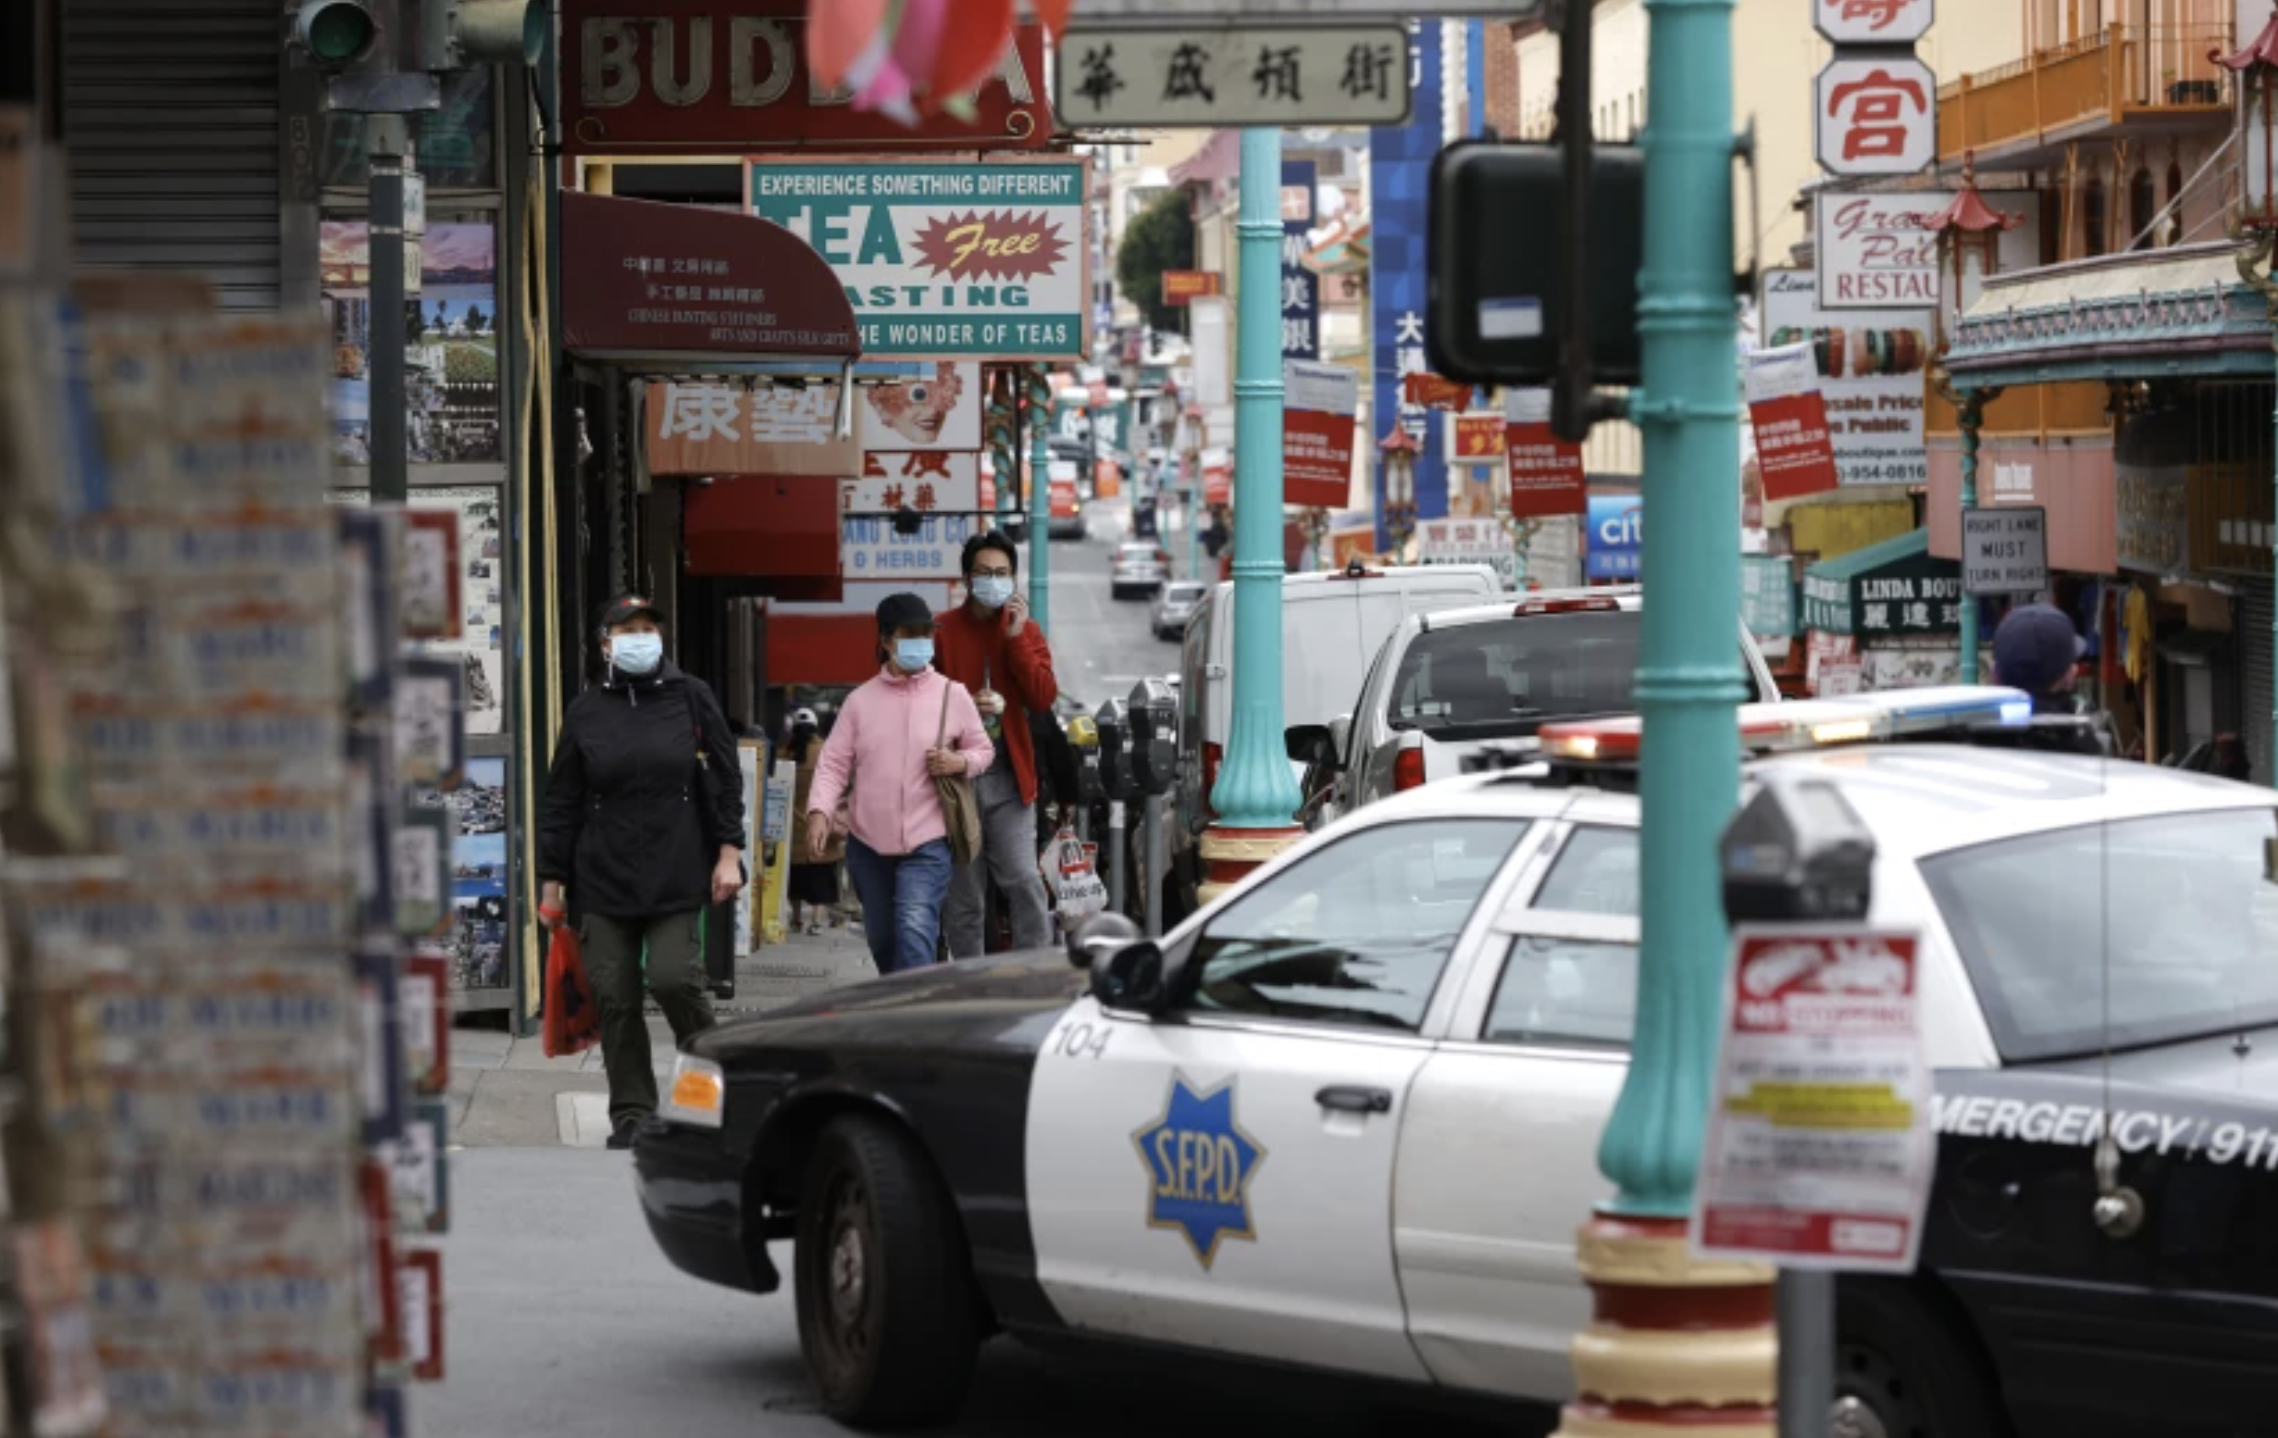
{"x":989,"y":645}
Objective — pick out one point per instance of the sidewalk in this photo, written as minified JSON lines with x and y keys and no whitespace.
{"x":505,"y":1092}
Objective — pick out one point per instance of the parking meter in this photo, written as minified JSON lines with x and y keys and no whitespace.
{"x":1797,"y":851}
{"x":1153,"y":741}
{"x":1114,"y":758}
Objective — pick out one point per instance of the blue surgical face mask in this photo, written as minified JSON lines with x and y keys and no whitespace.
{"x":637,"y":653}
{"x":993,"y":591}
{"x":913,"y":654}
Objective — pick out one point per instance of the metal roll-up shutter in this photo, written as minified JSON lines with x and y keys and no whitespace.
{"x":2254,"y":611}
{"x":172,"y":111}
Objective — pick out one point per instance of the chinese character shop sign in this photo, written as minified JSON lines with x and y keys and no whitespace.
{"x":1254,"y":75}
{"x":653,"y":281}
{"x":1877,"y":115}
{"x":945,"y":260}
{"x":1300,"y":287}
{"x":1873,"y":22}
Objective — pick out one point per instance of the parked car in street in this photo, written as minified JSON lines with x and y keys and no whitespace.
{"x":1175,"y":604}
{"x":1139,"y":569}
{"x":1331,"y":625}
{"x":1445,"y":683}
{"x":1425,"y":1013}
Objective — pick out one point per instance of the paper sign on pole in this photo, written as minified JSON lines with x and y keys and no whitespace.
{"x":1317,"y":433}
{"x":1794,"y":452}
{"x":1480,"y":438}
{"x":1546,"y":472}
{"x":1820,"y":1148}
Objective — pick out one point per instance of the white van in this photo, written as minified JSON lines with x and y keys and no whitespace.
{"x":1332,"y":625}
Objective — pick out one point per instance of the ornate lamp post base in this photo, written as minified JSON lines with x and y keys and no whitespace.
{"x":1231,"y":855}
{"x":1674,"y":1343}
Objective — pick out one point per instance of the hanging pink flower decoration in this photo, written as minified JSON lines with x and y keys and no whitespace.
{"x":838,"y":31}
{"x":877,"y":81}
{"x":1054,"y":14}
{"x":969,"y":53}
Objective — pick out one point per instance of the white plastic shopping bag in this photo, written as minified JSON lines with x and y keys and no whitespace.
{"x":1069,"y":870}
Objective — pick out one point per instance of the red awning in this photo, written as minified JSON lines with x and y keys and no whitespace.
{"x":675,"y":287}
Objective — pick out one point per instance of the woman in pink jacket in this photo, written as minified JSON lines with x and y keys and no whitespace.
{"x":883,"y":756}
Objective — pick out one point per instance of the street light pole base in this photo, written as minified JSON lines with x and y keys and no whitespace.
{"x":1232,"y":855}
{"x":1674,"y":1343}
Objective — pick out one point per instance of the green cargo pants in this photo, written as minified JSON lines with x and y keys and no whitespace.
{"x":669,"y":949}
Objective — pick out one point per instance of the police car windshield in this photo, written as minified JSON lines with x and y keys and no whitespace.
{"x":2181,"y":912}
{"x":1507,"y":679}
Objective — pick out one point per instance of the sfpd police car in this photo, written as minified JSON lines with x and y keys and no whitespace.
{"x":1346,"y":1119}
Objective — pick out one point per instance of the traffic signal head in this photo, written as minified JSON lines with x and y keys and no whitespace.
{"x":488,"y":32}
{"x":337,"y":33}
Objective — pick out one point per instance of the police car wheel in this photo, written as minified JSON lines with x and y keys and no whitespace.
{"x":888,"y":1316}
{"x":1906,"y":1368}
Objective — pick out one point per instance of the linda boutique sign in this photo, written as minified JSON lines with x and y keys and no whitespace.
{"x":945,"y":260}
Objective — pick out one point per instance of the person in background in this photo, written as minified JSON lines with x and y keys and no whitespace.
{"x":814,"y":872}
{"x":2036,"y":649}
{"x":644,"y":820}
{"x":990,"y":645}
{"x":1059,"y":788}
{"x":881,"y":759}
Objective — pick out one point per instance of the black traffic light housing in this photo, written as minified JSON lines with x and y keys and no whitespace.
{"x":1797,"y":851}
{"x":1496,"y":281}
{"x":1154,"y":740}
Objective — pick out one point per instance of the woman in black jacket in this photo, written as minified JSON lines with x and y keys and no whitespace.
{"x":644,"y":820}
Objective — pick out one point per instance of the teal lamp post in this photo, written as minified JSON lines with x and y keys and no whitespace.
{"x":1255,"y":796}
{"x":1004,"y":424}
{"x":1676,"y":1342}
{"x":1040,"y":496}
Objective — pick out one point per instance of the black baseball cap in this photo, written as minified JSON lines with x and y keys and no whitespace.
{"x":903,"y":611}
{"x":2035,"y":648}
{"x":625,"y":608}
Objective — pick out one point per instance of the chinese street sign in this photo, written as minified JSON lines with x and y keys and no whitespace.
{"x":1319,"y":403}
{"x":1183,"y":286}
{"x":1300,"y":287}
{"x":1873,"y":22}
{"x":1794,"y":455}
{"x":657,"y":281}
{"x":772,"y":429}
{"x":2005,"y":550}
{"x":1467,"y":541}
{"x":1820,"y":1147}
{"x":1400,"y":160}
{"x":946,"y":259}
{"x":933,"y":482}
{"x":1876,"y":115}
{"x":1113,"y":77}
{"x":647,"y":76}
{"x":1547,"y":477}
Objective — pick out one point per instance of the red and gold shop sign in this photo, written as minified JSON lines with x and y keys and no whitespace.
{"x":671,"y":77}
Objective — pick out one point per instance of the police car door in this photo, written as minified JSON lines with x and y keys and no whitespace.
{"x":1220,"y":1176}
{"x":1498,"y":1159}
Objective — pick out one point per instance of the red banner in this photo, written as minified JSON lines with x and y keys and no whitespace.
{"x":648,"y":77}
{"x":1795,"y":454}
{"x":1479,"y":438}
{"x":1217,"y":477}
{"x":1432,"y":392}
{"x":1546,"y":472}
{"x":1317,"y":429}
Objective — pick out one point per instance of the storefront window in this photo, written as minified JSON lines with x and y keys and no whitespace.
{"x":452,"y":348}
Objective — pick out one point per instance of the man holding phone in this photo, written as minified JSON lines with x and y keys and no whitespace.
{"x":991,"y":646}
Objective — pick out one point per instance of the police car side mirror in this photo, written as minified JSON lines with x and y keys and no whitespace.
{"x":1131,"y":978}
{"x":1099,"y":936}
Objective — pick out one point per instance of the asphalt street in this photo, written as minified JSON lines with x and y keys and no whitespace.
{"x":563,"y":1321}
{"x":1101,"y":645}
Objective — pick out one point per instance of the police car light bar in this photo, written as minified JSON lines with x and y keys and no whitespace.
{"x":1813,"y":723}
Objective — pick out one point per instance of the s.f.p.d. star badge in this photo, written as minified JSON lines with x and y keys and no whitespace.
{"x":1199,"y":1166}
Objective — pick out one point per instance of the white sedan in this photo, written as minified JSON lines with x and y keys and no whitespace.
{"x":1347,"y":1118}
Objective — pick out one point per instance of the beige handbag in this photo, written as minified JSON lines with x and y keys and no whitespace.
{"x":960,"y":807}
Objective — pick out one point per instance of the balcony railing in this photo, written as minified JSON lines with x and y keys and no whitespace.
{"x":2102,"y":79}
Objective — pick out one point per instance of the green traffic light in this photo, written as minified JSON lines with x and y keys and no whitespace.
{"x":338,"y":32}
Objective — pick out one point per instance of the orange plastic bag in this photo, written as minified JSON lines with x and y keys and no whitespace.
{"x":572,"y":1019}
